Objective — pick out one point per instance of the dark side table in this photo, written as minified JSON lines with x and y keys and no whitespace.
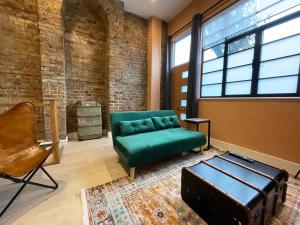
{"x":200,"y":120}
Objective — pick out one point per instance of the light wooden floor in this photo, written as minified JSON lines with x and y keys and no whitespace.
{"x":83,"y":164}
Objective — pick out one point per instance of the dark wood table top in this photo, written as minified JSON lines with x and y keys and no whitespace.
{"x":197,"y":120}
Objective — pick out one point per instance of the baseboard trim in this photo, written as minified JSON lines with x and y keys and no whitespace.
{"x":291,"y":167}
{"x":85,"y":217}
{"x":61,"y":141}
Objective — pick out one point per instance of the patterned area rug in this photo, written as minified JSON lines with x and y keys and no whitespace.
{"x":154,"y":198}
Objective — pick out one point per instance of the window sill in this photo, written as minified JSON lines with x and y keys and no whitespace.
{"x":252,"y":98}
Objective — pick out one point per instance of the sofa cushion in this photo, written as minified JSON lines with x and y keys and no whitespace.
{"x":116,"y":117}
{"x":165,"y":122}
{"x":136,"y":126}
{"x":144,"y":148}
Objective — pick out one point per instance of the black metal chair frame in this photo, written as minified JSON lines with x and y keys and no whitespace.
{"x":25,"y":181}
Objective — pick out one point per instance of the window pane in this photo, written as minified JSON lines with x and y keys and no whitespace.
{"x":241,"y":58}
{"x":288,"y":46}
{"x":185,"y":74}
{"x":213,"y":65}
{"x":282,"y":30}
{"x":211,"y":90}
{"x":278,"y":85}
{"x":270,"y":11}
{"x":280,"y":67}
{"x":238,"y":88}
{"x":182,"y":116}
{"x":183,"y":89}
{"x":242,"y":44}
{"x":240,"y":73}
{"x":232,"y":20}
{"x":245,"y":15}
{"x":212,"y":78}
{"x":182,"y":50}
{"x":183,"y":103}
{"x":213,"y":53}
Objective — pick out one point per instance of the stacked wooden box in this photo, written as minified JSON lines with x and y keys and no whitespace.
{"x":89,"y":120}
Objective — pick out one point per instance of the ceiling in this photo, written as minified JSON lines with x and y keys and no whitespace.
{"x":162,"y":9}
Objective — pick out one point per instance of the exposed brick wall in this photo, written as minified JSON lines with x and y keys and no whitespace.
{"x":52,"y":59}
{"x":127,"y":53}
{"x":20,"y":76}
{"x":133,"y":82}
{"x":54,"y":52}
{"x":86,"y":64}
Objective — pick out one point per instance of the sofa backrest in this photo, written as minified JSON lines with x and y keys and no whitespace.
{"x":116,"y":117}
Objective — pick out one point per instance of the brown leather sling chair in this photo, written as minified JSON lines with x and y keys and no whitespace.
{"x":20,"y":154}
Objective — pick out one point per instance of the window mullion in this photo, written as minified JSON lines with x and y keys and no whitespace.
{"x":225,"y":68}
{"x":201,"y":73}
{"x":298,"y":85}
{"x":256,"y":63}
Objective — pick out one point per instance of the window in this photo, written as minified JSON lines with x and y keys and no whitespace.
{"x":212,"y":71}
{"x":183,"y":103}
{"x":252,"y":49}
{"x":239,"y":71}
{"x":185,"y":74}
{"x":280,"y":59}
{"x":181,"y":50}
{"x":182,"y":116}
{"x":184,"y":89}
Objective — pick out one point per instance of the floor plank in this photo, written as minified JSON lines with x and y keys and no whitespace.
{"x":83,"y":164}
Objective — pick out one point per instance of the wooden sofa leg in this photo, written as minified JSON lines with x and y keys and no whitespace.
{"x":201,"y":150}
{"x":198,"y":150}
{"x":132,"y":172}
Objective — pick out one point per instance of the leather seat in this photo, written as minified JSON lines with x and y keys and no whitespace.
{"x":23,"y":162}
{"x":20,"y":154}
{"x":19,"y":150}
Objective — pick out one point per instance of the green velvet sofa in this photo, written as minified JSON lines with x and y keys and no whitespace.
{"x":152,"y":144}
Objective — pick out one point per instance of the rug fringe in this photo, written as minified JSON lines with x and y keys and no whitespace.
{"x":85,"y":217}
